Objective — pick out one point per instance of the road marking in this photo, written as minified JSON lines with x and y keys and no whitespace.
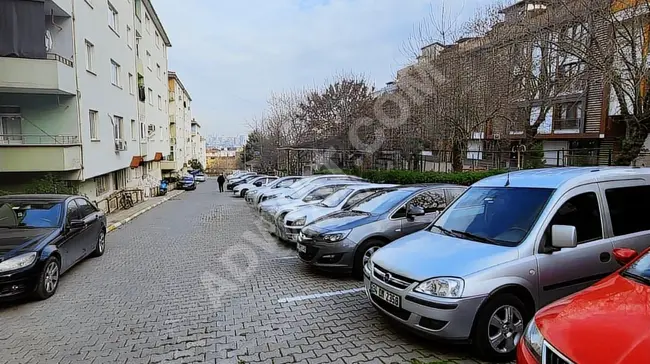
{"x":285,"y":258}
{"x":320,"y":295}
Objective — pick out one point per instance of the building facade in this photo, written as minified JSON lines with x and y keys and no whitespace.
{"x":198,"y":144}
{"x":73,"y":105}
{"x":180,"y":126}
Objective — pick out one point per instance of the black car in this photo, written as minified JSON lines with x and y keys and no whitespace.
{"x":43,"y":236}
{"x":240,"y":181}
{"x":187,"y":183}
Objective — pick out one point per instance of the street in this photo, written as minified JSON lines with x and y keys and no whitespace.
{"x":195,"y":280}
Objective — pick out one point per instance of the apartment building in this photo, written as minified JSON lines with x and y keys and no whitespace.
{"x":180,"y":126}
{"x":198,"y":147}
{"x":72,"y":105}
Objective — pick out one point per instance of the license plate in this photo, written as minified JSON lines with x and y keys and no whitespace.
{"x":389,"y":297}
{"x":301,"y":248}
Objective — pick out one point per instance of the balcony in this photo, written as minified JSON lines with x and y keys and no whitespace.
{"x":142,"y":115}
{"x":61,"y":8}
{"x":567,"y":126}
{"x":53,"y":75}
{"x":39,"y":153}
{"x":168,"y":164}
{"x":144,"y":148}
{"x":172,"y":96}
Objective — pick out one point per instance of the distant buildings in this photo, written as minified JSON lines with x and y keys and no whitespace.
{"x":221,"y":141}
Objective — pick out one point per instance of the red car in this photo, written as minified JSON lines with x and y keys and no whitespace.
{"x":608,"y":322}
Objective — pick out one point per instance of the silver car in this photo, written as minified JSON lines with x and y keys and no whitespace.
{"x":305,"y":181}
{"x":343,"y":241}
{"x":505,"y":248}
{"x":242,"y":189}
{"x":279,"y":183}
{"x":340,"y":200}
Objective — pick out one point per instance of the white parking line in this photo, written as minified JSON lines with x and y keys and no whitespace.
{"x":320,"y":295}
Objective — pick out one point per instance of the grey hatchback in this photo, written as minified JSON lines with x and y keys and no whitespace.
{"x":343,"y":241}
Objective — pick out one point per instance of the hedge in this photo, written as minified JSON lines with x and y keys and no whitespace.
{"x":403,"y":177}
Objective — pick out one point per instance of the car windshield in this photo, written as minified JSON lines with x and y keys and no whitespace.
{"x":30,"y":214}
{"x":496,"y":215}
{"x":301,"y":192}
{"x":336,"y":198}
{"x":381,"y":202}
{"x":640,"y":270}
{"x":188,"y":179}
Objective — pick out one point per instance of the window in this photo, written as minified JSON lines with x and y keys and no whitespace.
{"x":131,"y":84}
{"x":150,"y":95}
{"x":582,"y":212}
{"x":159,"y":102}
{"x":118,"y":127}
{"x":90,"y":56}
{"x":129,"y":37}
{"x":147,"y":23}
{"x":85,"y":208}
{"x":115,"y":73}
{"x":134,"y":130}
{"x":101,"y":185}
{"x":143,"y":132}
{"x":148,"y":59}
{"x":430,"y":201}
{"x":157,"y":39}
{"x":113,"y":18}
{"x":321,"y":193}
{"x":358,"y":197}
{"x":625,"y":206}
{"x":158,"y":71}
{"x":94,"y":127}
{"x":72,"y":212}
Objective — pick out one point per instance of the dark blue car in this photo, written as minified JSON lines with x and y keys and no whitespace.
{"x":187,"y":183}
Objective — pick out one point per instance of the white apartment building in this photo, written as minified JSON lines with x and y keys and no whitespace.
{"x":70,"y":105}
{"x":198,"y":147}
{"x":180,"y":127}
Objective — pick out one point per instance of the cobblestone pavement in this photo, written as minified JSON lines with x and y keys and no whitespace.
{"x":194,"y":280}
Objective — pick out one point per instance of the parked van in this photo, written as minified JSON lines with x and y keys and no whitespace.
{"x":508,"y":246}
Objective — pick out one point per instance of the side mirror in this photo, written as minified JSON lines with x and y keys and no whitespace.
{"x":76,"y":224}
{"x":414,"y":211}
{"x":623,"y":255}
{"x":564,"y":236}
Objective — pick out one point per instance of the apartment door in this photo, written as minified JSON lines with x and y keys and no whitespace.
{"x":10,"y":129}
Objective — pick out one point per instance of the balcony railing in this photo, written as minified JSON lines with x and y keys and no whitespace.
{"x":567,"y":126}
{"x":38,"y":139}
{"x":58,"y":58}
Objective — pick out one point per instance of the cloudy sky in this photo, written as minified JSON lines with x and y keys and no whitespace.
{"x":232,"y":54}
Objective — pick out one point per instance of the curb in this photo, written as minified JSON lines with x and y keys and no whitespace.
{"x":116,"y":225}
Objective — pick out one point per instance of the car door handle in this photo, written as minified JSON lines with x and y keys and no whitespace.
{"x":605,"y":257}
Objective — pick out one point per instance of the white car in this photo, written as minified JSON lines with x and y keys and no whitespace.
{"x":243,"y":188}
{"x":200,"y":177}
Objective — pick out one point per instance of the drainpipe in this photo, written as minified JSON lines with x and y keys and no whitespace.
{"x":78,"y":96}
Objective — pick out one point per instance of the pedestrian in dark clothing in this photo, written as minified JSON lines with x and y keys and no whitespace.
{"x":221,"y":180}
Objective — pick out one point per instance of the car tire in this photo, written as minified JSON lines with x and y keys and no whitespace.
{"x":100,"y":246}
{"x":513,"y":323}
{"x":243,"y":193}
{"x":48,"y":280}
{"x":367,"y":247}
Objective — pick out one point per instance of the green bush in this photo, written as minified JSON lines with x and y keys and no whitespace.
{"x":50,"y":184}
{"x":415,"y":177}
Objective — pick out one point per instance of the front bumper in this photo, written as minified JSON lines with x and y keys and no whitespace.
{"x":337,"y":256}
{"x":444,"y":318}
{"x":524,"y":356}
{"x":17,"y":284}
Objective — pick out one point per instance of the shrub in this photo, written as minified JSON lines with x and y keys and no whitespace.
{"x":415,"y":177}
{"x":50,"y":184}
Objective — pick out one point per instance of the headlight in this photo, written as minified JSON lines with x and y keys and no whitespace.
{"x":300,"y":222}
{"x":15,"y":263}
{"x":336,"y":236}
{"x":534,"y":340}
{"x":442,"y":287}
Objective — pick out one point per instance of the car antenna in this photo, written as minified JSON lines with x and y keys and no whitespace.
{"x":508,"y":180}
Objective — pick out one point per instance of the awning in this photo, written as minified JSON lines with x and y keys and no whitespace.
{"x":158,"y":157}
{"x":136,"y":161}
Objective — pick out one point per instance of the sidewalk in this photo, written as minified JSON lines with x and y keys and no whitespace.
{"x":122,"y":217}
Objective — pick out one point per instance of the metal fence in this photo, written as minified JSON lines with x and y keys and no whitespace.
{"x":114,"y":202}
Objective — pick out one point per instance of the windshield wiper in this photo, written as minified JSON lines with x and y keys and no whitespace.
{"x":636,"y":277}
{"x":446,"y":231}
{"x":478,"y":238}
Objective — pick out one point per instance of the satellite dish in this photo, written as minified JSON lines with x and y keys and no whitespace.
{"x":48,"y":41}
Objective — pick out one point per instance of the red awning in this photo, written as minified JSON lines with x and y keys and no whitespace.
{"x":136,"y":161}
{"x":158,"y":157}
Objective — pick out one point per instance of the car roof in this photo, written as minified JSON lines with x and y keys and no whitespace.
{"x":563,"y":177}
{"x":37,"y":197}
{"x":365,"y":186}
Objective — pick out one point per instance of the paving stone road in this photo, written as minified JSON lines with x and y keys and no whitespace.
{"x":195,"y":280}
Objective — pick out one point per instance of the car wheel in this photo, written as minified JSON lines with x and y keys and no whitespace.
{"x":48,"y":280}
{"x":364,"y":252}
{"x":243,"y":193}
{"x":499,"y":327}
{"x":100,"y":247}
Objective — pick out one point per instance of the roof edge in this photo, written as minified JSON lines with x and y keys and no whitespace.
{"x":157,"y":22}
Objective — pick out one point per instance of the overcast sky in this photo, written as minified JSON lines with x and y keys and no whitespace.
{"x":232,"y":54}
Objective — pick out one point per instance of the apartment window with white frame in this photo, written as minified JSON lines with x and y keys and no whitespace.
{"x":129,"y":37}
{"x":147,"y":22}
{"x":149,"y":60}
{"x":157,"y":39}
{"x":113,"y":20}
{"x":134,"y":130}
{"x":115,"y":73}
{"x":118,"y":127}
{"x":131,"y":84}
{"x":158,"y":71}
{"x":143,"y":132}
{"x":94,"y":125}
{"x":150,"y":96}
{"x":159,"y":102}
{"x":90,"y":56}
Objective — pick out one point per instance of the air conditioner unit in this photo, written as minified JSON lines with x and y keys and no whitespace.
{"x":120,"y":145}
{"x":496,"y":136}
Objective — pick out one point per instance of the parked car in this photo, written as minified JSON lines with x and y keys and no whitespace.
{"x":509,"y":245}
{"x":303,"y":182}
{"x":42,"y":237}
{"x":339,"y":200}
{"x":242,"y":189}
{"x":240,"y":181}
{"x":612,"y":316}
{"x":253,"y":193}
{"x":200,"y":177}
{"x":343,"y":241}
{"x":187,"y":183}
{"x":240,"y":177}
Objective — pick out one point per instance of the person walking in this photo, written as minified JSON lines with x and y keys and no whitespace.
{"x":221,"y":180}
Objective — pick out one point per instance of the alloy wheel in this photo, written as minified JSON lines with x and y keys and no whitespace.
{"x":506,"y":328}
{"x":101,"y":242}
{"x":51,"y":276}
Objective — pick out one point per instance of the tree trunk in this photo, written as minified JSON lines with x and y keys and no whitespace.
{"x":632,"y":145}
{"x":457,"y":155}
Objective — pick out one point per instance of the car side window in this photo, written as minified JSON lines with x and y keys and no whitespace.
{"x":85,"y":208}
{"x":625,"y":209}
{"x":357,"y":197}
{"x":581,"y":211}
{"x":431,"y":201}
{"x":72,"y":212}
